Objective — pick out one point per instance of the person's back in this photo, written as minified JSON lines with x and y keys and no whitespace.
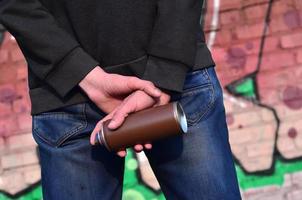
{"x":91,"y":61}
{"x":63,"y":40}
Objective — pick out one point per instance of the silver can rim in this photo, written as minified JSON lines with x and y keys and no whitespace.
{"x":180,"y":116}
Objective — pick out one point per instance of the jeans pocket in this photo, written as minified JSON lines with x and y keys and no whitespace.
{"x":198,"y":96}
{"x":56,"y":126}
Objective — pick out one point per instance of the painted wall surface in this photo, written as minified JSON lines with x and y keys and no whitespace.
{"x":262,"y":93}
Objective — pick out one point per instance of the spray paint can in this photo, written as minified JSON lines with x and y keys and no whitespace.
{"x":144,"y":126}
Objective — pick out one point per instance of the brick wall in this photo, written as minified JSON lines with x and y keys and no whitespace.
{"x":19,"y":167}
{"x":264,"y":105}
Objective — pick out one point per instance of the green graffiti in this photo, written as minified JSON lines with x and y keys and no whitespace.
{"x":276,"y":178}
{"x":243,"y":87}
{"x":33,"y":194}
{"x":134,"y":189}
{"x":246,"y":88}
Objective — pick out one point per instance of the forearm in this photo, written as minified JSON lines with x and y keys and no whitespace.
{"x":52,"y":54}
{"x":173,"y":44}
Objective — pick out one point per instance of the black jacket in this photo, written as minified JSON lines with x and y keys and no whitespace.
{"x":62,"y":40}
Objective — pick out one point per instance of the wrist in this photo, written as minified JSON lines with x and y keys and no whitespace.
{"x":88,"y":82}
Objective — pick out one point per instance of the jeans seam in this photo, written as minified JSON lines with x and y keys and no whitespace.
{"x":206,"y":74}
{"x":81,"y":127}
{"x":208,"y":108}
{"x":210,"y":79}
{"x":41,"y":137}
{"x":195,"y":89}
{"x":203,"y":74}
{"x":68,"y":134}
{"x":213,"y":93}
{"x":210,"y":104}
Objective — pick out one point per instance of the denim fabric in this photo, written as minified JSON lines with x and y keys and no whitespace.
{"x":195,"y":166}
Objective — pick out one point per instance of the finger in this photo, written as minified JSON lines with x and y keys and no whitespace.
{"x":148,"y":145}
{"x":121,"y":113}
{"x":135,"y":83}
{"x":163,"y":100}
{"x":99,"y":126}
{"x":138,"y":147}
{"x":129,"y":105}
{"x":122,"y":153}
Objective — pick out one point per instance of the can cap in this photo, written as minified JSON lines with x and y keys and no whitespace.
{"x":180,"y":117}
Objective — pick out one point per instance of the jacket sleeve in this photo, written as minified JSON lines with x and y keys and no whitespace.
{"x":52,"y":54}
{"x":171,"y":51}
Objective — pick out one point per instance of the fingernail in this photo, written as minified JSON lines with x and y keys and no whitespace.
{"x":112,"y":124}
{"x":122,"y":154}
{"x":157,"y":91}
{"x":91,"y":140}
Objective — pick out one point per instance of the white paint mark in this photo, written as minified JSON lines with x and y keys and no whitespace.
{"x":214,"y":23}
{"x":234,"y":100}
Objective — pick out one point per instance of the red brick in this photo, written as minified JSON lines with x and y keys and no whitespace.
{"x":3,"y":56}
{"x":7,"y":74}
{"x":289,"y":20}
{"x":226,"y":80}
{"x":22,"y":89}
{"x":249,"y":31}
{"x":271,"y":44}
{"x":227,"y":5}
{"x":5,"y":109}
{"x":208,"y":21}
{"x":19,"y":159}
{"x":251,"y":64}
{"x":299,"y":56}
{"x":21,"y":106}
{"x":7,"y":93}
{"x":24,"y":121}
{"x":21,"y":73}
{"x":253,"y":2}
{"x":298,"y":4}
{"x":277,"y":78}
{"x":234,"y":71}
{"x":282,"y":7}
{"x":292,"y":40}
{"x":17,"y":55}
{"x":2,"y":148}
{"x":255,"y":12}
{"x":219,"y":54}
{"x":32,"y":175}
{"x":230,"y":17}
{"x":236,"y":57}
{"x":8,"y":125}
{"x":20,"y":141}
{"x":223,"y":38}
{"x":292,"y":18}
{"x":252,"y":46}
{"x":278,"y":59}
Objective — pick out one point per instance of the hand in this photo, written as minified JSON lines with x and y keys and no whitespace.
{"x":107,"y":90}
{"x":137,"y":101}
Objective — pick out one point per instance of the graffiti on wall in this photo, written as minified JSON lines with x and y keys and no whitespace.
{"x":258,"y":51}
{"x":257,"y":47}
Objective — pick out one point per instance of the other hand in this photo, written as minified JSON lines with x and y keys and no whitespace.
{"x":108,"y":91}
{"x":136,"y":101}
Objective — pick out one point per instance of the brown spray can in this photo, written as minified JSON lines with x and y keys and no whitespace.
{"x":144,"y":126}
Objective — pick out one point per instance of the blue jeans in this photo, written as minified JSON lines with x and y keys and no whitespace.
{"x":194,"y":166}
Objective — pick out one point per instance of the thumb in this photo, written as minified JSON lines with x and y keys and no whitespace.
{"x":93,"y":135}
{"x":120,"y":114}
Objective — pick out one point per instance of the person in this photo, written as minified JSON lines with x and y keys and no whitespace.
{"x":96,"y":60}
